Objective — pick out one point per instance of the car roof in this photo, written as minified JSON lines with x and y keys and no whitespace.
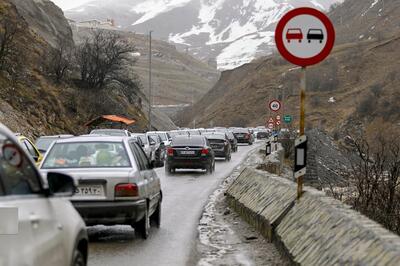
{"x":93,"y":138}
{"x":56,"y":136}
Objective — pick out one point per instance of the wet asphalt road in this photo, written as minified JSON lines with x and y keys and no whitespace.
{"x":185,"y":194}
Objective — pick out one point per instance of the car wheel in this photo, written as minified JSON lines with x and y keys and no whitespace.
{"x":143,"y":226}
{"x":209,"y":169}
{"x":155,"y":218}
{"x":78,"y":259}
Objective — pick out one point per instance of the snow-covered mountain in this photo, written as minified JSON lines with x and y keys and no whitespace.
{"x":232,"y":32}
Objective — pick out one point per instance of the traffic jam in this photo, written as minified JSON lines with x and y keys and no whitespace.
{"x":62,"y":185}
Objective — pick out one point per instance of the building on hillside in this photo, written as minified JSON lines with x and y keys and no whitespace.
{"x":97,"y":24}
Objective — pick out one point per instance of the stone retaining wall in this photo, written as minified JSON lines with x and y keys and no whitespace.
{"x":317,"y":230}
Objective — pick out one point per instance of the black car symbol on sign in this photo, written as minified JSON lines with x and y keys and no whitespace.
{"x":315,"y":34}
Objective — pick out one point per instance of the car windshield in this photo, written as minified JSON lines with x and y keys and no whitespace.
{"x":142,"y":138}
{"x":240,"y":130}
{"x":294,"y":31}
{"x":162,"y":136}
{"x":115,"y":133}
{"x":188,"y":141}
{"x":315,"y":31}
{"x":44,"y":143}
{"x":87,"y":155}
{"x":215,"y":136}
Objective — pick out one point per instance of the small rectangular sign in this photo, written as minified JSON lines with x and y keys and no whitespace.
{"x":8,"y":220}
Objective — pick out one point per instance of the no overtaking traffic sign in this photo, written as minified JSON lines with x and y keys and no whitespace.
{"x":305,"y":36}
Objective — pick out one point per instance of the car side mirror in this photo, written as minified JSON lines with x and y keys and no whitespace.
{"x":60,"y":184}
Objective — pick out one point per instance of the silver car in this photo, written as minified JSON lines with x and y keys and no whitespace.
{"x":116,"y":181}
{"x":38,"y":224}
{"x":147,"y":146}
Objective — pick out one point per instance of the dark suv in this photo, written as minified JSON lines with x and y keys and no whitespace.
{"x":243,"y":135}
{"x":220,"y":144}
{"x":190,"y":152}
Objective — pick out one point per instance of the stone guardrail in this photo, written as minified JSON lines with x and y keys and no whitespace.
{"x":317,"y":230}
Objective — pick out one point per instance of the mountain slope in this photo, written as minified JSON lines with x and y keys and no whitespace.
{"x":233,"y":32}
{"x":357,"y":84}
{"x":31,"y":102}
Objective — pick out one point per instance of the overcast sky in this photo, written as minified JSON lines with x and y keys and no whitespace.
{"x":68,"y":4}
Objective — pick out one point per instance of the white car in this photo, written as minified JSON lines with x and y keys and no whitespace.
{"x":38,"y":225}
{"x":165,"y":137}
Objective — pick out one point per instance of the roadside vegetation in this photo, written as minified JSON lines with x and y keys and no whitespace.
{"x":373,"y":180}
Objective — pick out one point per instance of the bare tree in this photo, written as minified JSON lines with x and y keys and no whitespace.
{"x":59,"y":60}
{"x":8,"y":50}
{"x":100,"y":58}
{"x":374,"y":177}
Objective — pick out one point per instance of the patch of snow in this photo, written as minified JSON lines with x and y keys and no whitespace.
{"x":332,"y":100}
{"x":243,"y":50}
{"x":153,"y":8}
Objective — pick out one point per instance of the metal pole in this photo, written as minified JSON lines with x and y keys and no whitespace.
{"x":302,"y":122}
{"x":150,"y":85}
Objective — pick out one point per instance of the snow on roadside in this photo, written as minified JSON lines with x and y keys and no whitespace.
{"x":225,"y":239}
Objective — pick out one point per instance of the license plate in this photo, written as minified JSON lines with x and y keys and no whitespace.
{"x":93,"y":190}
{"x":187,"y":152}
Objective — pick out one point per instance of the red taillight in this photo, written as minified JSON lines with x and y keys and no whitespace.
{"x":204,"y":152}
{"x":170,"y":152}
{"x":126,"y":190}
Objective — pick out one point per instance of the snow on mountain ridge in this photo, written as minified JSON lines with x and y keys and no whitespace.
{"x":152,"y":8}
{"x":207,"y":29}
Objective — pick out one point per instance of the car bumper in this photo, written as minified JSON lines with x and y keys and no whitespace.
{"x":243,"y":140}
{"x":110,"y":212}
{"x":220,"y":154}
{"x":189,"y":163}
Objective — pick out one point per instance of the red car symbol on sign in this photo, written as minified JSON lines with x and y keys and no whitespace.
{"x":294,"y":34}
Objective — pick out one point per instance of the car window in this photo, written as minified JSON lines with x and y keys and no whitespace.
{"x":136,"y":154}
{"x":87,"y":155}
{"x":141,"y":157}
{"x":17,"y":174}
{"x":44,"y":143}
{"x":188,"y":141}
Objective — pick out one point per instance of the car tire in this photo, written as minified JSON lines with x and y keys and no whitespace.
{"x":143,"y":226}
{"x":78,"y":259}
{"x":155,"y":218}
{"x":209,"y":169}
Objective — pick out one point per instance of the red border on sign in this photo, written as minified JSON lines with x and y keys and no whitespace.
{"x":280,"y":105}
{"x":298,"y":60}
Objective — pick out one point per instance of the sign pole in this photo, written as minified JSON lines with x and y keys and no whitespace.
{"x":302,"y":122}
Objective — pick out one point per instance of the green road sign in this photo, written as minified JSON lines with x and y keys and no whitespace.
{"x":287,"y":118}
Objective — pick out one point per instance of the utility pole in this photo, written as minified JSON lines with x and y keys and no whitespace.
{"x":150,"y":85}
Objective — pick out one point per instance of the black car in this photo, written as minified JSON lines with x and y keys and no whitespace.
{"x":190,"y":152}
{"x":243,"y":135}
{"x":262,"y":134}
{"x":220,"y":144}
{"x":232,"y":139}
{"x":315,"y":34}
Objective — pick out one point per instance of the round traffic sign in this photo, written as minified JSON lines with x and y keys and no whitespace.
{"x":305,"y":36}
{"x":270,"y":125}
{"x":278,"y":123}
{"x":275,"y":105}
{"x":278,"y":117}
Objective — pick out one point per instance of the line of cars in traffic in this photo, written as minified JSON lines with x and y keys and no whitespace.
{"x":65,"y":183}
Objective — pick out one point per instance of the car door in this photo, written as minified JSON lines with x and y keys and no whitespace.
{"x":142,"y":167}
{"x":153,"y":181}
{"x":39,"y":240}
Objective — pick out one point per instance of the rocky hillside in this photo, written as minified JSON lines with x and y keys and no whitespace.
{"x":233,"y":32}
{"x":30,"y":101}
{"x":357,"y":84}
